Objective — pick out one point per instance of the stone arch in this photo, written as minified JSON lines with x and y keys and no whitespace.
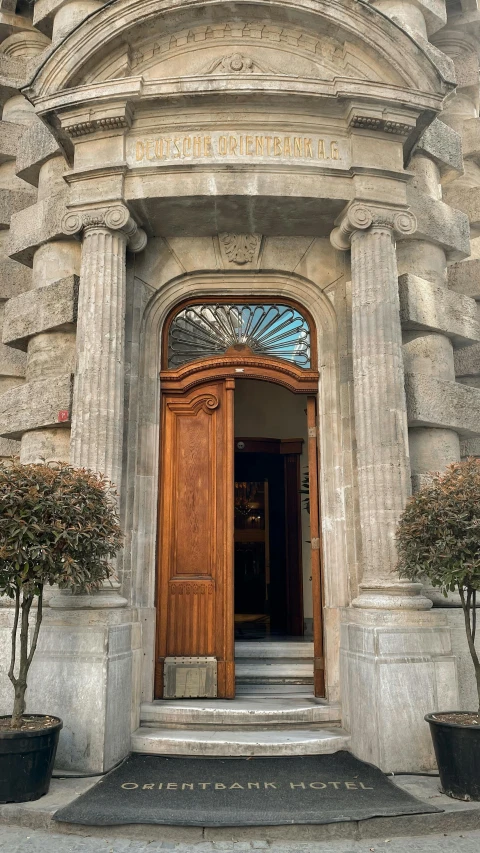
{"x":418,"y":65}
{"x":333,"y":475}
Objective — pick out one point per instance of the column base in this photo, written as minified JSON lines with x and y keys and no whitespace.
{"x":395,"y":668}
{"x":107,"y":596}
{"x":392,"y":596}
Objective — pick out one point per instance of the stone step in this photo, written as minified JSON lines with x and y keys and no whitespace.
{"x":258,"y":671}
{"x":245,"y":711}
{"x":243,"y":742}
{"x":298,"y":650}
{"x":274,"y":690}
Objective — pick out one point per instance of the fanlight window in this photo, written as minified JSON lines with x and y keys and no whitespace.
{"x":200,"y":331}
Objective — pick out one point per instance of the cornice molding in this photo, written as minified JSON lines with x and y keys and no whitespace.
{"x":361,"y":216}
{"x":115,"y":217}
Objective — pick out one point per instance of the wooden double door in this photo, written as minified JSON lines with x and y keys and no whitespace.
{"x":195,"y":590}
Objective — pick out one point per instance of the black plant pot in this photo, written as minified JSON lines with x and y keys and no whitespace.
{"x":457,"y":750}
{"x":26,"y":761}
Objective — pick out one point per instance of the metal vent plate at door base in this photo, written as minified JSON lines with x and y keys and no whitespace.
{"x":190,"y":677}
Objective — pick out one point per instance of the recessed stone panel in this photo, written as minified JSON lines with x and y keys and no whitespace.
{"x":41,"y":310}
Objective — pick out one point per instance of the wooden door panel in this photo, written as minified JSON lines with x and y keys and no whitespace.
{"x":195,"y":589}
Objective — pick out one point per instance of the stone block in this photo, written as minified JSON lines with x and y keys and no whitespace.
{"x":468,"y":201}
{"x":471,"y":139}
{"x":8,"y":447}
{"x":34,"y":226}
{"x":465,"y":278}
{"x":467,"y":361}
{"x":12,"y":201}
{"x":428,"y":306}
{"x":434,"y":12}
{"x":444,"y":146}
{"x":11,"y":23}
{"x":34,"y":405}
{"x":10,"y":134}
{"x":438,"y":403}
{"x":14,"y":277}
{"x":44,"y":12}
{"x":12,"y":362}
{"x":401,"y":664}
{"x":470,"y":447}
{"x":53,"y":307}
{"x":38,"y":146}
{"x":13,"y":75}
{"x":438,"y":223}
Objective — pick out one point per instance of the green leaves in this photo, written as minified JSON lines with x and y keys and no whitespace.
{"x":438,"y":536}
{"x":58,"y":524}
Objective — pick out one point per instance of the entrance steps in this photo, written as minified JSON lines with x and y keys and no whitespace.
{"x":274,"y":667}
{"x":274,"y":712}
{"x":236,"y":742}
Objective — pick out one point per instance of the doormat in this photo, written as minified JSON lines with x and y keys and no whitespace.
{"x":258,"y":791}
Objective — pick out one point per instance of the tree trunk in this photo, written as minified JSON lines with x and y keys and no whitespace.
{"x":470,"y":615}
{"x":25,"y":654}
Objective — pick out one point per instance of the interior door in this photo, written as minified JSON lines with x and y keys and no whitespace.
{"x":195,"y":589}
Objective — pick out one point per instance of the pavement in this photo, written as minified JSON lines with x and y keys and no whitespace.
{"x":21,"y":840}
{"x":29,"y":828}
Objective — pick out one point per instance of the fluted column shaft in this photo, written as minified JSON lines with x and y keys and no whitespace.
{"x":97,"y":418}
{"x":381,"y":430}
{"x":97,"y":415}
{"x":379,"y":399}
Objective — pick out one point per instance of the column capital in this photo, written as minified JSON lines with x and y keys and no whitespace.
{"x":360,"y":216}
{"x":115,"y":217}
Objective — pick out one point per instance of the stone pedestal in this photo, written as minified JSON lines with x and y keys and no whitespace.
{"x":396,"y":667}
{"x":83,"y":673}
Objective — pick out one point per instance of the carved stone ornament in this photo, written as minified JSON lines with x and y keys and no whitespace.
{"x":237,"y":63}
{"x":115,"y":218}
{"x":360,"y":216}
{"x":240,"y":248}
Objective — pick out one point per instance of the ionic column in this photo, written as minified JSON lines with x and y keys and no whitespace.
{"x":97,"y":412}
{"x":379,"y":398}
{"x":97,"y":416}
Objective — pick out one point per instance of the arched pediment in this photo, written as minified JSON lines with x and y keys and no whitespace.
{"x":171,"y":40}
{"x":228,"y":47}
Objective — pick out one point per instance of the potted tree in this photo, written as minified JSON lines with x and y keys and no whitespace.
{"x":438,"y":538}
{"x":58,"y":525}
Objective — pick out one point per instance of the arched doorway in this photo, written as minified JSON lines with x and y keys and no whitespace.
{"x":208,"y":349}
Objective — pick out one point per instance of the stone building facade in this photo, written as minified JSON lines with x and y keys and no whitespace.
{"x":317,"y":155}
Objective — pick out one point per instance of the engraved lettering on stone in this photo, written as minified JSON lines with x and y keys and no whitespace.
{"x":240,"y":248}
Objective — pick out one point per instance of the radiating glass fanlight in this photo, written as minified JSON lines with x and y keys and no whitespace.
{"x":200,"y":331}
